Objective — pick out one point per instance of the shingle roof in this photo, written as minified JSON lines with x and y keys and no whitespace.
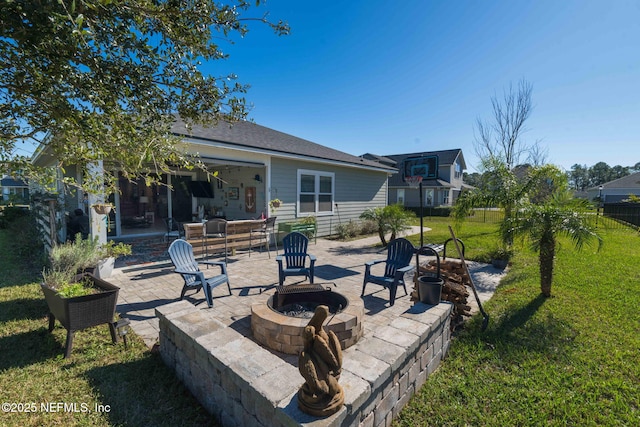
{"x":250,"y":135}
{"x":380,"y":159}
{"x":445,"y":157}
{"x":10,"y":182}
{"x":629,"y":181}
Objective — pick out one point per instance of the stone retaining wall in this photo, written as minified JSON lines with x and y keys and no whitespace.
{"x":242,"y":384}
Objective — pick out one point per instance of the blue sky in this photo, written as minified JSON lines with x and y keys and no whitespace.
{"x":390,"y":77}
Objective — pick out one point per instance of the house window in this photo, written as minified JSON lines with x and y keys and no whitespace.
{"x":400,"y":196}
{"x":458,"y":171}
{"x":315,"y":192}
{"x":428,"y":197}
{"x":445,"y":197}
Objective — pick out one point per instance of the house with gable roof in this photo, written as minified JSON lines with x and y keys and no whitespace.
{"x":617,"y":190}
{"x":255,"y":164}
{"x":442,"y":189}
{"x":14,"y":189}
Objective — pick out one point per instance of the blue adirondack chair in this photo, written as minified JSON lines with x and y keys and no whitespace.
{"x":293,"y":262}
{"x":398,"y":263}
{"x":181,"y":253}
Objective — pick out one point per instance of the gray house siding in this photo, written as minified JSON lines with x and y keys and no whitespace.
{"x":255,"y":164}
{"x":355,"y":190}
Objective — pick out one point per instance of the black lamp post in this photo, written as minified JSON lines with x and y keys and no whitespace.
{"x":600,"y":204}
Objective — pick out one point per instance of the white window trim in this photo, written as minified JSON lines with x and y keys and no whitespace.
{"x":445,"y":197}
{"x":428,"y":191}
{"x":317,"y":174}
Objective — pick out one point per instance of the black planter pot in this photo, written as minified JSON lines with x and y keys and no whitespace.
{"x":83,"y":312}
{"x":430,"y":289}
{"x":500,"y":264}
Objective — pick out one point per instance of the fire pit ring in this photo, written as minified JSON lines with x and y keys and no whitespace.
{"x":302,"y":300}
{"x":283,"y":333}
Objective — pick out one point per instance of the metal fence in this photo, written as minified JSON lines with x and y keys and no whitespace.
{"x":615,"y":216}
{"x":623,"y":213}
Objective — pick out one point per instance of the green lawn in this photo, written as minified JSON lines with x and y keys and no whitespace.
{"x":573,"y":359}
{"x":133,"y":387}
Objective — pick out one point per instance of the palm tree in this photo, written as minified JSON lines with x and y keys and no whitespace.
{"x":508,"y":189}
{"x":542,"y":224}
{"x":391,"y":218}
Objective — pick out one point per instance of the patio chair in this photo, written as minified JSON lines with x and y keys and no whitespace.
{"x":293,"y":261}
{"x":174,"y":230}
{"x":265,"y":231}
{"x":181,"y":253}
{"x":399,"y":254}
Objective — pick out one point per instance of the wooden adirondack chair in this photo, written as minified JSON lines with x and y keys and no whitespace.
{"x":398,"y":263}
{"x":293,"y":262}
{"x":181,"y":253}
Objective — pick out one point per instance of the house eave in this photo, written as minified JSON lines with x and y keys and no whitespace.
{"x":279,"y":154}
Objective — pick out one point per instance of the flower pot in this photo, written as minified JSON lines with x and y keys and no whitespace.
{"x":500,"y":264}
{"x":102,"y":209}
{"x":430,"y":289}
{"x":82,"y":312}
{"x":105,"y":268}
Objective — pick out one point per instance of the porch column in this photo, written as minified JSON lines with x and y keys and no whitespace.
{"x":98,"y":222}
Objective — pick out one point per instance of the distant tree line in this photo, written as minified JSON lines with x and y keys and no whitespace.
{"x":580,"y":177}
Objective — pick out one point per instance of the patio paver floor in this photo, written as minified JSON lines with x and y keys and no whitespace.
{"x":253,"y":278}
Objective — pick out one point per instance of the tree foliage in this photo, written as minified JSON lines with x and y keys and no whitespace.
{"x":391,"y":218}
{"x":104,"y":79}
{"x":582,"y":177}
{"x":541,"y":224}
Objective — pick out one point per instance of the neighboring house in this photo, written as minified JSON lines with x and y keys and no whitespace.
{"x":255,"y":164}
{"x":14,"y":190}
{"x":442,"y":190}
{"x":617,"y":190}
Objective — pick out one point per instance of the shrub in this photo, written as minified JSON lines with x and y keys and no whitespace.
{"x":348,"y":230}
{"x":26,"y":240}
{"x":11,"y":214}
{"x":368,"y":227}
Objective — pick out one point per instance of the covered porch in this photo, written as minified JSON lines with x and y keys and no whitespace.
{"x":187,"y":196}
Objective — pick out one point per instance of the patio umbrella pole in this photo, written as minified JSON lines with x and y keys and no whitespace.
{"x":485,"y":321}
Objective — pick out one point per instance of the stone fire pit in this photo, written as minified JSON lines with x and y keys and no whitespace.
{"x":278,"y":323}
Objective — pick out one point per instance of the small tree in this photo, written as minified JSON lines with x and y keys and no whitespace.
{"x":501,"y":137}
{"x":391,"y":218}
{"x":542,"y":224}
{"x":509,"y":189}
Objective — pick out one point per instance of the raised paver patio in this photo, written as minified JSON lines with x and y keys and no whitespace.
{"x":144,"y":287}
{"x":401,"y":345}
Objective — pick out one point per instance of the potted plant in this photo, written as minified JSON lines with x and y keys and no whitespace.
{"x":102,"y":208}
{"x":78,"y":301}
{"x":87,"y":255}
{"x":500,"y":257}
{"x":108,"y":254}
{"x":274,"y":204}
